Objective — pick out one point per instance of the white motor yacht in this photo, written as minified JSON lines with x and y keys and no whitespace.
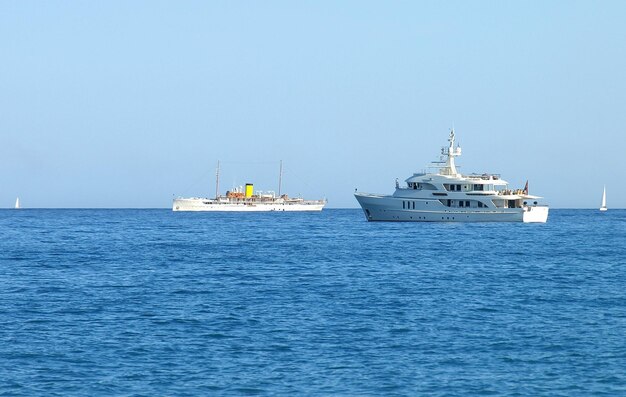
{"x":448,"y":196}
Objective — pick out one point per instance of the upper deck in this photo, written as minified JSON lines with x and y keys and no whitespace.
{"x":448,"y":179}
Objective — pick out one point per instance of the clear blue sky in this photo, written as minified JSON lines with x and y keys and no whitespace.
{"x":127,"y":103}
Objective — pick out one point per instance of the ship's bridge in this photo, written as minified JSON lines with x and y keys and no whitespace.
{"x":460,"y":183}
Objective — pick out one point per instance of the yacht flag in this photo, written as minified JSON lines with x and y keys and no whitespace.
{"x":526,"y":188}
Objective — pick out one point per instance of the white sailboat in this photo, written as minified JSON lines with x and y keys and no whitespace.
{"x":603,"y":206}
{"x":17,"y":203}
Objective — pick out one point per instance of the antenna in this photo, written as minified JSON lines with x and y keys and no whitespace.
{"x":217,"y":180}
{"x":280,"y":177}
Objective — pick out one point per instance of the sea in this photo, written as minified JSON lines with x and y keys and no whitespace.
{"x":150,"y":302}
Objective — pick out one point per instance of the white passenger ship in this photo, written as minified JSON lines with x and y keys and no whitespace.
{"x":240,"y":200}
{"x":448,"y":196}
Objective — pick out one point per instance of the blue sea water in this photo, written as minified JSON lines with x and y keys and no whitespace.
{"x":152,"y":302}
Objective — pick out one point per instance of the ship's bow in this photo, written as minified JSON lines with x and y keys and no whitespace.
{"x":368,"y":203}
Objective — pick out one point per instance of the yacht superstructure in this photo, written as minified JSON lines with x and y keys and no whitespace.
{"x":449,"y":196}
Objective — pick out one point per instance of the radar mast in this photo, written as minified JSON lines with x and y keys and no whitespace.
{"x":450,"y":153}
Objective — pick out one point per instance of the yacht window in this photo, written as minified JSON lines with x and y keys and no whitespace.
{"x":414,"y":205}
{"x":460,"y":203}
{"x":403,"y":205}
{"x":467,"y":204}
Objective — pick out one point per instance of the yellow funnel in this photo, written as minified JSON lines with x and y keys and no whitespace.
{"x":249,"y":189}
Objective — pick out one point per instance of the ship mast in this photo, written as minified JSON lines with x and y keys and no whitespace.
{"x":450,"y":152}
{"x":280,"y":177}
{"x":217,"y":181}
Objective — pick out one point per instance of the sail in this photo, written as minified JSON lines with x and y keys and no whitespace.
{"x":603,"y":206}
{"x":17,"y":203}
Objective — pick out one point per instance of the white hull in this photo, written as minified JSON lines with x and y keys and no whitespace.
{"x":389,"y":208}
{"x":198,"y":204}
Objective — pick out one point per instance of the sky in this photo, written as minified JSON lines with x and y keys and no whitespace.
{"x":126,"y":104}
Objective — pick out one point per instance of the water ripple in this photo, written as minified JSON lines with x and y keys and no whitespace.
{"x":145,"y":302}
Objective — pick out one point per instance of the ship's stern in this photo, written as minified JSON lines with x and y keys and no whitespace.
{"x":535,"y":214}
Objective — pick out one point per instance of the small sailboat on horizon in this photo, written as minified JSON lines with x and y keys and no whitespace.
{"x":17,"y":203}
{"x":603,"y":206}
